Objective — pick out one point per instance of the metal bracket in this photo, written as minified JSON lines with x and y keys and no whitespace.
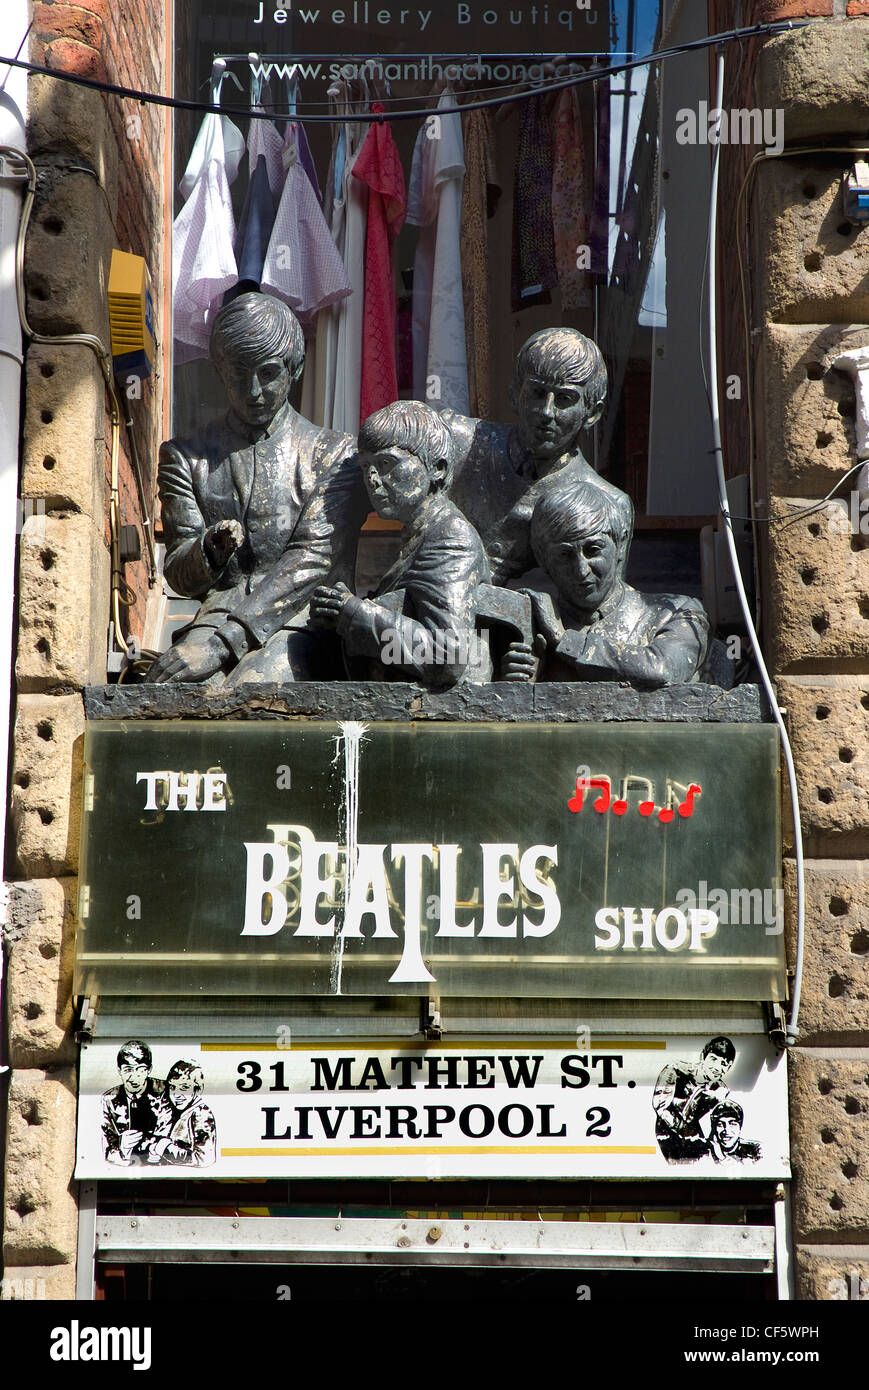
{"x":776,"y":1026}
{"x":431,"y":1024}
{"x":87,"y":1018}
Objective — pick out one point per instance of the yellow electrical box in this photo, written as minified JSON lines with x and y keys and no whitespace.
{"x":131,"y":315}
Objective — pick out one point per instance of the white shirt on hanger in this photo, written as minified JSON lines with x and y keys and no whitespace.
{"x":203,"y":236}
{"x":303,"y":266}
{"x":440,"y":364}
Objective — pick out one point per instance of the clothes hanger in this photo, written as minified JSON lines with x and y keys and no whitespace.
{"x":256,"y":80}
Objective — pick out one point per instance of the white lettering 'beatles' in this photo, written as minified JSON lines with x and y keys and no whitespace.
{"x":268,"y":870}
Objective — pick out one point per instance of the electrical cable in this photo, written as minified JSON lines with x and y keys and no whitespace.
{"x":711,"y":248}
{"x":594,"y":74}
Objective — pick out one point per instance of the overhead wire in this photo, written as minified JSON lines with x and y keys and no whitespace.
{"x":593,"y":74}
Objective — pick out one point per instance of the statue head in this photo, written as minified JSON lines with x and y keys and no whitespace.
{"x":580,"y":535}
{"x":404,"y":455}
{"x":559,"y":389}
{"x":258,"y":350}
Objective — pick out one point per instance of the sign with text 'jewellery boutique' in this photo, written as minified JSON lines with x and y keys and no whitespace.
{"x":260,"y":858}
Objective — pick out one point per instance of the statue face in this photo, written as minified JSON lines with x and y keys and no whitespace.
{"x":397,"y":483}
{"x":584,"y":570}
{"x":551,"y":415}
{"x":256,"y":392}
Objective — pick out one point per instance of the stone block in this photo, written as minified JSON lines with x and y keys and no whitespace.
{"x":835,"y":994}
{"x":819,"y":76}
{"x":40,"y":1217}
{"x":46,"y":783}
{"x":64,"y":464}
{"x":64,"y":598}
{"x":816,"y":263}
{"x":829,"y":1119}
{"x":807,"y":440}
{"x":66,"y":120}
{"x":825,"y":1276}
{"x":28,"y":1283}
{"x":39,"y":975}
{"x":69,"y":246}
{"x":828,"y":723}
{"x":818,"y":572}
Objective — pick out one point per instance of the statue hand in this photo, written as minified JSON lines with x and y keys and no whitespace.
{"x":222,"y":540}
{"x":326,"y":604}
{"x":546,"y":621}
{"x":190,"y":661}
{"x":520,"y":663}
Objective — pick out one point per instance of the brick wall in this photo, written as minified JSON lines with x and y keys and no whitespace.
{"x":123,"y":44}
{"x":100,"y":186}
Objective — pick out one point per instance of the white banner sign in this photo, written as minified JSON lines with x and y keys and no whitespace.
{"x":556,"y":1108}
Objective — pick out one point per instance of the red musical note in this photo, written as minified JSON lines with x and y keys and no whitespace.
{"x":603,"y":802}
{"x":630,"y":783}
{"x":687,"y":807}
{"x":575,"y":802}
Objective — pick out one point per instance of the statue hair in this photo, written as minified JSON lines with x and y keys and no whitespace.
{"x":577,"y":509}
{"x":412,"y":426}
{"x":563,"y":354}
{"x":255,"y":327}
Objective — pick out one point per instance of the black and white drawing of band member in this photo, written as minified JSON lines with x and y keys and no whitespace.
{"x":185,"y":1133}
{"x":130,"y":1111}
{"x":725,"y":1140}
{"x":685,"y":1095}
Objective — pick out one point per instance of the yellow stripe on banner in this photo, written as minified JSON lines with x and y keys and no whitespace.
{"x":415,"y":1149}
{"x":568,"y":1043}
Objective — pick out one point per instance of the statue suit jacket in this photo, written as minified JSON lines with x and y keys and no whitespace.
{"x":296,"y":492}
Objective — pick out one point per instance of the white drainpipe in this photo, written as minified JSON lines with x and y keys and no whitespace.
{"x":14,"y":19}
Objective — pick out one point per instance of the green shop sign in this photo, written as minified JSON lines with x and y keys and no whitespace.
{"x":617,"y":861}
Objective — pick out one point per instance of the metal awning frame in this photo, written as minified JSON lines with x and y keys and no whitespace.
{"x":393,"y":1241}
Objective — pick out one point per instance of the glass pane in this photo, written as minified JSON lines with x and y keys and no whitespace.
{"x":524,"y":860}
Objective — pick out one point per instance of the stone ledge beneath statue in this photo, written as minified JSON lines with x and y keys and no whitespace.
{"x":598,"y":702}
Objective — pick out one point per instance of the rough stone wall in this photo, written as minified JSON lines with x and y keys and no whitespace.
{"x":101,"y":186}
{"x":808,"y":300}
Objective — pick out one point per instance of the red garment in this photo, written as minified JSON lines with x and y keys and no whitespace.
{"x":378,"y":165}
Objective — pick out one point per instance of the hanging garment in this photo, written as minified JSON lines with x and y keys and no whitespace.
{"x":264,"y":139}
{"x":254,"y":230}
{"x":344,"y":390}
{"x":378,"y":165}
{"x":295,"y":136}
{"x":264,"y":147}
{"x":333,"y":367}
{"x":440,"y":364}
{"x":534,"y":271}
{"x":203,"y":257}
{"x":480,"y":194}
{"x":570,"y":203}
{"x":303,"y":266}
